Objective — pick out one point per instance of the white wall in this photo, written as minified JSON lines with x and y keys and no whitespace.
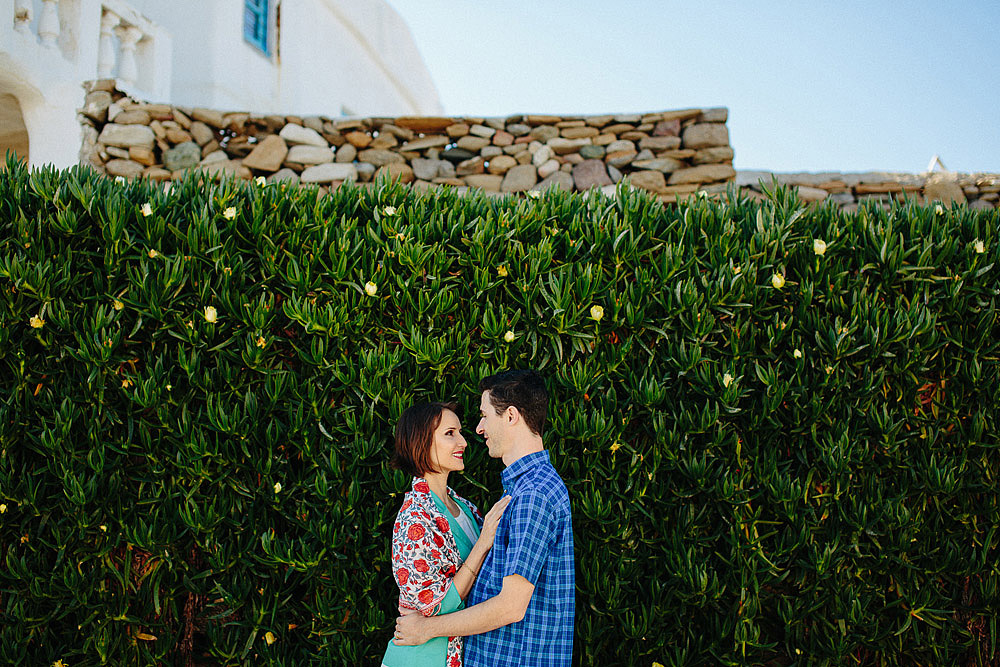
{"x":330,"y":54}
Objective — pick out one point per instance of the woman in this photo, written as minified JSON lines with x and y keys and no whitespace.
{"x":437,"y":543}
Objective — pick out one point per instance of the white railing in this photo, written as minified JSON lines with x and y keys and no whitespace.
{"x":104,"y":39}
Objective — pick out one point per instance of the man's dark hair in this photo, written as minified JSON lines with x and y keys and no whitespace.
{"x":415,"y":435}
{"x":524,"y":390}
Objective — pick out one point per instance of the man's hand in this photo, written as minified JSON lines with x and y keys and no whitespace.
{"x":411,"y":630}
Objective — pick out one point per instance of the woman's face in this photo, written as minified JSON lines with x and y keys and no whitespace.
{"x":448,"y":447}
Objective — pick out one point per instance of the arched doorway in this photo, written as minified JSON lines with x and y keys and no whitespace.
{"x":13,"y":133}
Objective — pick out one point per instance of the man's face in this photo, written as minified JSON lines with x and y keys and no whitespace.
{"x":491,"y":426}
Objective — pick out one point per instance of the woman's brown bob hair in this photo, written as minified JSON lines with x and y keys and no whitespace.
{"x":415,"y":435}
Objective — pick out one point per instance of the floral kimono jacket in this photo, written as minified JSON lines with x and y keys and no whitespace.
{"x":425,"y":556}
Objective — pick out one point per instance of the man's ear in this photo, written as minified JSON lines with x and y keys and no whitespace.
{"x":513,"y":416}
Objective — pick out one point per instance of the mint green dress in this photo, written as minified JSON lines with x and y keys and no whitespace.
{"x":434,"y":652}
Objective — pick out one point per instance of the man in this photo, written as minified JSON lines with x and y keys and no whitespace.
{"x":520,"y":610}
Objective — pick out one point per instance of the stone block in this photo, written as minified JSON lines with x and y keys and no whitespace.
{"x":520,"y":178}
{"x":268,"y":155}
{"x":705,"y":135}
{"x":126,"y":136}
{"x":706,"y":173}
{"x":590,"y":173}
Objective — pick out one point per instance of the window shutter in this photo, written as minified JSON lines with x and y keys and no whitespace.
{"x":255,"y":16}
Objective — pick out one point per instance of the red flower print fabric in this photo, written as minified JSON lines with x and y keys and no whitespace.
{"x":425,"y":556}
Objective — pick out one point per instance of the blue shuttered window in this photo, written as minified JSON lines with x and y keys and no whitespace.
{"x":255,"y":23}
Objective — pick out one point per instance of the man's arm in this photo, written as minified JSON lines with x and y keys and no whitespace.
{"x":507,"y":607}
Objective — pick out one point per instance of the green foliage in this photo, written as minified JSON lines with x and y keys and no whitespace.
{"x":804,"y":474}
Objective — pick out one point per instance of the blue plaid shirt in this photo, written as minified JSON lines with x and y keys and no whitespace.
{"x":535,"y":540}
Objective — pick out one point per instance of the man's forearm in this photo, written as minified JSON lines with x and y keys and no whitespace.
{"x":483,"y":617}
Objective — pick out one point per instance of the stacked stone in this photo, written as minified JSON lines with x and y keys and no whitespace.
{"x":672,"y":154}
{"x":849,"y":190}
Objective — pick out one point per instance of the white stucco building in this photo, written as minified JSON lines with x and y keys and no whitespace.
{"x":302,"y":57}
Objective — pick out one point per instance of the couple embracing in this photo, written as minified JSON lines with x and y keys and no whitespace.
{"x":483,"y":592}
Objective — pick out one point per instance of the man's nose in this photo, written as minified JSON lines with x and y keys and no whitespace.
{"x":479,"y":427}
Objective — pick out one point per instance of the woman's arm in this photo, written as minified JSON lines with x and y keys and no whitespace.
{"x":466,"y":575}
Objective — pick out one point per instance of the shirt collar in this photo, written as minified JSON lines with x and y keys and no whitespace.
{"x":516,"y":469}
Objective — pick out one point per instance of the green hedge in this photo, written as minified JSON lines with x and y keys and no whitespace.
{"x":760,"y":474}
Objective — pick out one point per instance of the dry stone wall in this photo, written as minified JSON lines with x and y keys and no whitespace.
{"x":849,"y":190}
{"x":671,"y":153}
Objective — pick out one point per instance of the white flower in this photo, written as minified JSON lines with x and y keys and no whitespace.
{"x":211,"y":315}
{"x":147,"y":210}
{"x":727,"y":380}
{"x":508,"y":337}
{"x":819,"y":247}
{"x":260,"y":180}
{"x":277,"y":487}
{"x":596,"y":313}
{"x":777,"y":281}
{"x":389,"y":211}
{"x":979,"y":246}
{"x":939,"y":209}
{"x":532,"y":194}
{"x":370,"y":288}
{"x":797,"y":354}
{"x":229,"y":213}
{"x":119,"y":179}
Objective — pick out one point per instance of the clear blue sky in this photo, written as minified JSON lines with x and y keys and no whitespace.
{"x":810,"y":86}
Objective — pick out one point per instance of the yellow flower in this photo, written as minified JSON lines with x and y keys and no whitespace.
{"x":126,"y":383}
{"x":615,"y":447}
{"x":104,"y":529}
{"x":979,"y":246}
{"x":532,"y":194}
{"x":389,"y":210}
{"x":60,"y":663}
{"x":211,"y":315}
{"x":939,"y":209}
{"x":277,"y":487}
{"x":727,"y":380}
{"x":829,"y":369}
{"x":656,"y":664}
{"x":269,"y":637}
{"x":170,"y":387}
{"x":596,"y":313}
{"x":3,"y":509}
{"x":261,"y":342}
{"x":509,"y":337}
{"x":229,"y":213}
{"x":118,"y":305}
{"x":260,"y":180}
{"x":153,"y":254}
{"x":797,"y":354}
{"x":777,"y":281}
{"x":147,"y":210}
{"x":36,"y":322}
{"x":24,"y":539}
{"x":502,"y":271}
{"x":819,"y":247}
{"x":370,"y":288}
{"x":736,"y":268}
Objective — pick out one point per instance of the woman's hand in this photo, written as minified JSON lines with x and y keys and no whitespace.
{"x":490,"y":523}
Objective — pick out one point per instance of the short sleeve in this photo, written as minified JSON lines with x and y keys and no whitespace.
{"x":530,"y":536}
{"x":452,"y":601}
